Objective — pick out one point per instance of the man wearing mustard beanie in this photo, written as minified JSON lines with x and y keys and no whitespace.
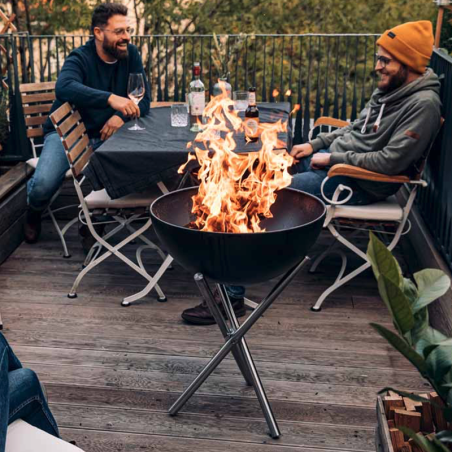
{"x":394,"y":130}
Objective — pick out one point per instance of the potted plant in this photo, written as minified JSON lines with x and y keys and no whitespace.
{"x":427,"y":349}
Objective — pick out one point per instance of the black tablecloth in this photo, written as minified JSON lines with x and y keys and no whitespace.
{"x":130,"y":161}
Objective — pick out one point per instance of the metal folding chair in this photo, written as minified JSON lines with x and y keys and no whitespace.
{"x":37,"y":100}
{"x":124,"y":211}
{"x":359,"y":220}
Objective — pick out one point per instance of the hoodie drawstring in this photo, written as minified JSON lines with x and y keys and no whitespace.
{"x":377,"y":122}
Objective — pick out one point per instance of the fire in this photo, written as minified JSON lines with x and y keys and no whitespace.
{"x":275,"y":93}
{"x":236,"y":190}
{"x":295,"y":109}
{"x":288,"y":92}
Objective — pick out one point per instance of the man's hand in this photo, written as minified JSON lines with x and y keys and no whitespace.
{"x":126,"y":106}
{"x":110,"y":127}
{"x":301,"y":150}
{"x":319,"y":161}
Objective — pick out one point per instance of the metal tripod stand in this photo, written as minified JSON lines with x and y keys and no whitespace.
{"x":234,"y":335}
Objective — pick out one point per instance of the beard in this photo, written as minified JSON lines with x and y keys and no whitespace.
{"x":113,"y":50}
{"x":395,"y":81}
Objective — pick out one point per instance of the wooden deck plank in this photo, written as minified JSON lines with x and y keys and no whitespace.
{"x":111,"y":373}
{"x":92,"y":440}
{"x":210,"y":405}
{"x":205,"y":427}
{"x":294,"y":371}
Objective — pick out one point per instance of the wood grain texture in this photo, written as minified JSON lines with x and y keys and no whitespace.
{"x":342,"y":169}
{"x":111,"y":373}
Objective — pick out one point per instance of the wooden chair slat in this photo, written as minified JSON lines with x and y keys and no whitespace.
{"x":34,"y":133}
{"x":39,"y":97}
{"x":36,"y":87}
{"x":78,"y":149}
{"x":75,"y":135}
{"x":77,"y":168}
{"x":36,"y":120}
{"x":69,"y":123}
{"x":60,"y":113}
{"x":33,"y":109}
{"x":328,"y":121}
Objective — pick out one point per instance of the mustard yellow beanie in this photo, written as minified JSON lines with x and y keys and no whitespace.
{"x":410,"y":43}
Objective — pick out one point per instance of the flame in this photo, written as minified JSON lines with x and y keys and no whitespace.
{"x":236,"y":190}
{"x":295,"y":109}
{"x":288,"y":92}
{"x":275,"y":93}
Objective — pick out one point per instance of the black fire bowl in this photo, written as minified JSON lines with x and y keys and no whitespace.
{"x":236,"y":258}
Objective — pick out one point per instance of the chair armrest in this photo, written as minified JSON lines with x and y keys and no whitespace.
{"x":342,"y":169}
{"x":329,"y":121}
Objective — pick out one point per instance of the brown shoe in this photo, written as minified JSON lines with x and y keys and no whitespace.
{"x":200,"y":315}
{"x":32,"y":227}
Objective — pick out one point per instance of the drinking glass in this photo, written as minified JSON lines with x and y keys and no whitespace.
{"x":179,"y":115}
{"x":240,"y":100}
{"x":136,"y":90}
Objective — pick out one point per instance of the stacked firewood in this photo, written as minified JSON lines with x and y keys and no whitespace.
{"x":420,"y":417}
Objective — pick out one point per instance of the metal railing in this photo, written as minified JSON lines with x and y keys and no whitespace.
{"x":435,"y":201}
{"x":322,"y":74}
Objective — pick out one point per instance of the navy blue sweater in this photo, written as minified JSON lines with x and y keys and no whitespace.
{"x":87,"y":82}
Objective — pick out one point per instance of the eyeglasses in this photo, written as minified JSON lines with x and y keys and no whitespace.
{"x":384,"y":61}
{"x":120,"y":31}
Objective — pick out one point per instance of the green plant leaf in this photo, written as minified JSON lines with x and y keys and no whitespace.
{"x":398,"y":303}
{"x":439,"y":445}
{"x":445,"y":436}
{"x":432,"y":284}
{"x":423,"y":442}
{"x":439,"y":362}
{"x":383,"y":262}
{"x":429,"y":340}
{"x":400,"y":345}
{"x":410,"y":290}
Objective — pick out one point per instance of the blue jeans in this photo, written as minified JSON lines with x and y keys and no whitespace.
{"x":50,"y":171}
{"x":21,"y":396}
{"x":310,"y":180}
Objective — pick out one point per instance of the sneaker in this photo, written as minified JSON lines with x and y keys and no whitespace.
{"x":32,"y":227}
{"x":200,"y":315}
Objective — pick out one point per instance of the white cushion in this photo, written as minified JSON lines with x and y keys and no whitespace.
{"x":100,"y":199}
{"x":33,"y":163}
{"x":387,"y":210}
{"x":23,"y":437}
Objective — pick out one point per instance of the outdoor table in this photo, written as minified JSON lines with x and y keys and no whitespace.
{"x":130,"y":161}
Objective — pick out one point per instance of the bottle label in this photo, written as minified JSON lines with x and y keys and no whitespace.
{"x":252,"y":98}
{"x":197,"y":103}
{"x":252,"y":127}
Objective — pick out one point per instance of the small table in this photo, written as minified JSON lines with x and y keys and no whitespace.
{"x":130,"y":161}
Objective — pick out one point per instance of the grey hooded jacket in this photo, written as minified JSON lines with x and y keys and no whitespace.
{"x":391,"y":134}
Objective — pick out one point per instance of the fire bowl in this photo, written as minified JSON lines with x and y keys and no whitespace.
{"x":240,"y":258}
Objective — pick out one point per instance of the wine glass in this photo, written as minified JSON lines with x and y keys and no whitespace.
{"x":136,"y":90}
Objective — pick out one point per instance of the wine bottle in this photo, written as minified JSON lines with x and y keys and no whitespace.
{"x":196,"y":99}
{"x":252,"y":118}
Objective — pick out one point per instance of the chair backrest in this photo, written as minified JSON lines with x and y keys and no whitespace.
{"x":69,"y":126}
{"x":37,"y":100}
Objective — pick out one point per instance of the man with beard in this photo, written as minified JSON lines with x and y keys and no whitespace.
{"x":390,"y":135}
{"x":94,"y":79}
{"x":392,"y":132}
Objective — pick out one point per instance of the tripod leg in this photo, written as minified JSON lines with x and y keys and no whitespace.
{"x":249,"y":363}
{"x":217,"y":315}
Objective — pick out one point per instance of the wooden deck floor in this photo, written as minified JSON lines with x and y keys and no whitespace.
{"x":111,"y":372}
